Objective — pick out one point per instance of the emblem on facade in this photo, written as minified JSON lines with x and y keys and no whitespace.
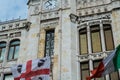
{"x":36,"y":10}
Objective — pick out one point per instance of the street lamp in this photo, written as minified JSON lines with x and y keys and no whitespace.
{"x":73,"y":18}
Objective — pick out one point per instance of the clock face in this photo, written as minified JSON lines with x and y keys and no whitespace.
{"x":50,"y":4}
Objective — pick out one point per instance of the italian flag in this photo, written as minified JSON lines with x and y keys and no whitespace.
{"x":110,"y":64}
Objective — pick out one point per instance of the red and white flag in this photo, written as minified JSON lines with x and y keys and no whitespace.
{"x":38,"y":69}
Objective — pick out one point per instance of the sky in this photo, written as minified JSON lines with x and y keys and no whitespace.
{"x":13,"y":9}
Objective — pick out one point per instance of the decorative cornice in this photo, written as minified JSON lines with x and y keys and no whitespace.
{"x":98,"y":9}
{"x":12,"y":21}
{"x":28,"y":2}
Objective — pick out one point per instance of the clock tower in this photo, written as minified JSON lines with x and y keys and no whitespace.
{"x":54,"y":35}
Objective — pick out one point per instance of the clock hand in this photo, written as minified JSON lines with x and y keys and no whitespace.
{"x":49,"y":2}
{"x":47,"y":6}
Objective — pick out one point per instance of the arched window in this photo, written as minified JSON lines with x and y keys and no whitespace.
{"x":13,"y":49}
{"x":2,"y":50}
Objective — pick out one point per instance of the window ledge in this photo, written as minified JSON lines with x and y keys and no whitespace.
{"x":12,"y":60}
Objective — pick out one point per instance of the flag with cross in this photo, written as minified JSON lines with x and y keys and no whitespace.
{"x":38,"y":69}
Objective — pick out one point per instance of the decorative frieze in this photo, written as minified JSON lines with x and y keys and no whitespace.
{"x":95,"y":18}
{"x":11,"y":35}
{"x":82,"y":25}
{"x":93,"y":56}
{"x":98,"y":7}
{"x":92,"y":10}
{"x":94,"y":23}
{"x":50,"y":15}
{"x":16,"y":34}
{"x":106,"y":21}
{"x":83,"y":58}
{"x":52,"y":24}
{"x":91,"y":3}
{"x":11,"y":26}
{"x":4,"y":36}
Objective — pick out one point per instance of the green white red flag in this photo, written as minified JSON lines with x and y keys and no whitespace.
{"x":108,"y":65}
{"x":38,"y":69}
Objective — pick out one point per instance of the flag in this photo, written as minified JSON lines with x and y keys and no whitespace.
{"x":108,"y":65}
{"x":38,"y":69}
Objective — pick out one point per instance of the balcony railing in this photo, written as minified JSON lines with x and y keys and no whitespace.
{"x":93,"y":56}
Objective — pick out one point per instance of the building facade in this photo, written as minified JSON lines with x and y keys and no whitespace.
{"x":75,"y":48}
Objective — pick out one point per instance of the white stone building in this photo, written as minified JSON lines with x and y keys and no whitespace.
{"x":76,"y":47}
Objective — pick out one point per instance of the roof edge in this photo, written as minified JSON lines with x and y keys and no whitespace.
{"x":28,"y":2}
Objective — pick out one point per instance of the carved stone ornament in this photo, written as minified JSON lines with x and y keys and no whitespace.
{"x":27,"y":25}
{"x":16,"y":34}
{"x":94,"y":23}
{"x":50,"y":15}
{"x":36,"y":10}
{"x":95,"y":17}
{"x":50,"y":24}
{"x":66,"y":3}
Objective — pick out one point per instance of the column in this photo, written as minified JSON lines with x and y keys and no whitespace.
{"x":102,"y":36}
{"x":89,"y":47}
{"x":2,"y":75}
{"x":103,"y":42}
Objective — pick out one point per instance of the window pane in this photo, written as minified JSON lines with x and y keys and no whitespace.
{"x":17,"y":42}
{"x":84,"y":70}
{"x":8,"y":77}
{"x":16,"y":52}
{"x":109,"y":40}
{"x":2,"y":44}
{"x":95,"y":65}
{"x":114,"y":76}
{"x":101,"y":78}
{"x":96,"y":43}
{"x":83,"y":43}
{"x":10,"y":56}
{"x":2,"y":52}
{"x":85,"y":73}
{"x":49,"y":43}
